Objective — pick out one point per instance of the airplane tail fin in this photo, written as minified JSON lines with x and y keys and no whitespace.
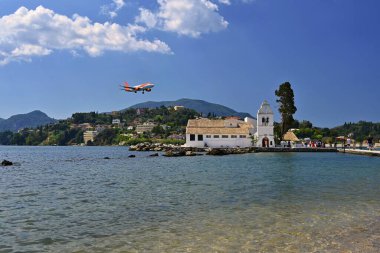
{"x":126,"y":84}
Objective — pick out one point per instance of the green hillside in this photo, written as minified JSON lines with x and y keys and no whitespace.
{"x":360,"y":130}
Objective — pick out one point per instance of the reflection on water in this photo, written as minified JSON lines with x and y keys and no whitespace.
{"x":70,"y":199}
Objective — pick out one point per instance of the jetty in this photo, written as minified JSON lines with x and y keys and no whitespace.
{"x":361,"y":152}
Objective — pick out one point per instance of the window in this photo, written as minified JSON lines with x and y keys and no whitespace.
{"x":216,"y":136}
{"x":271,"y":143}
{"x":233,"y":136}
{"x":243,"y":136}
{"x":200,"y":137}
{"x":208,"y":136}
{"x":224,"y":136}
{"x":192,"y":137}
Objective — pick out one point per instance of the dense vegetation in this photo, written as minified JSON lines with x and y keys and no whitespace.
{"x":70,"y":132}
{"x":359,"y":131}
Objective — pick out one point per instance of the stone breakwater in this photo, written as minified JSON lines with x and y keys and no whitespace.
{"x":175,"y":151}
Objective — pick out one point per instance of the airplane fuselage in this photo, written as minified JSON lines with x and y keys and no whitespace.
{"x":142,"y":87}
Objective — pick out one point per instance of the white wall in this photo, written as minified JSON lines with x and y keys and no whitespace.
{"x":219,"y":142}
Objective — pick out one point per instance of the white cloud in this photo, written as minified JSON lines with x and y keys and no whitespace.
{"x":184,"y":17}
{"x":226,"y":2}
{"x":112,"y":9}
{"x":29,"y":33}
{"x":147,"y":18}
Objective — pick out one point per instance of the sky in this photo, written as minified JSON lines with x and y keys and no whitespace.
{"x":68,"y":56}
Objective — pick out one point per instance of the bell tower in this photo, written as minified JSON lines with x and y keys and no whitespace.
{"x":264,"y":134}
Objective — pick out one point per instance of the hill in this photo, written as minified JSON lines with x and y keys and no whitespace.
{"x":360,"y":130}
{"x":28,"y":120}
{"x":200,"y":106}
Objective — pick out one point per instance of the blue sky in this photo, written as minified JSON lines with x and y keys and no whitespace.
{"x":70,"y":56}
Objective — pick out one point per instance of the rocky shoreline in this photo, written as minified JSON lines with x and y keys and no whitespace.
{"x":176,"y":151}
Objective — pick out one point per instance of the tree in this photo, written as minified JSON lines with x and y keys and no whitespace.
{"x":287,"y":108}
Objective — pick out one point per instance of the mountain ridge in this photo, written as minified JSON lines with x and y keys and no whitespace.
{"x":198,"y":105}
{"x":28,"y":120}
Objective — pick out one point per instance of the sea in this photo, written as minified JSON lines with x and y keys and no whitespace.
{"x":71,"y":199}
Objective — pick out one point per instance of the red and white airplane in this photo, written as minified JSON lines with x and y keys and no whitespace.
{"x":142,"y":87}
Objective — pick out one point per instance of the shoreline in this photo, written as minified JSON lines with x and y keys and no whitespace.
{"x":171,"y":150}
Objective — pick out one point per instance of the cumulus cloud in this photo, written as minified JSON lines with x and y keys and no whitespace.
{"x":112,"y":9}
{"x":29,"y":33}
{"x":184,"y":17}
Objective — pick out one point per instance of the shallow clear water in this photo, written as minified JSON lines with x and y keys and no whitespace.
{"x":70,"y":199}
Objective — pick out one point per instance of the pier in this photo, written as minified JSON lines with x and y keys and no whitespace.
{"x":361,"y":152}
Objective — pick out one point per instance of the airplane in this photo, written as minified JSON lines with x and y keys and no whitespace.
{"x":142,"y":87}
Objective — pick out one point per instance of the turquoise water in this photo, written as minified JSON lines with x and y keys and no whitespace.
{"x":70,"y":199}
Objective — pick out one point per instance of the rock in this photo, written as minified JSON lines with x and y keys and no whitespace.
{"x":190,"y":153}
{"x":107,"y":158}
{"x":6,"y":163}
{"x":181,"y":153}
{"x":218,"y":151}
{"x":155,"y":154}
{"x":169,"y":153}
{"x":131,"y":156}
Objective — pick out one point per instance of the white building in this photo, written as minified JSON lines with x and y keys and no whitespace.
{"x":146,"y":127}
{"x":232,"y":132}
{"x":89,"y":136}
{"x":218,"y":133}
{"x":264,"y":135}
{"x":178,"y":107}
{"x":115,"y":121}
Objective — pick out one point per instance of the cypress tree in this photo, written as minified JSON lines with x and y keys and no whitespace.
{"x":287,"y":107}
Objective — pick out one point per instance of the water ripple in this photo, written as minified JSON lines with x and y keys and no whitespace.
{"x":70,"y":199}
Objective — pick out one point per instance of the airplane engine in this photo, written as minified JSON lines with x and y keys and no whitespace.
{"x":148,"y":90}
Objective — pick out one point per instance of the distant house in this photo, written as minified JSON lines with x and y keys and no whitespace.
{"x":115,"y":121}
{"x":146,"y":127}
{"x":89,"y":136}
{"x":232,"y":132}
{"x":178,"y":107}
{"x":140,"y":111}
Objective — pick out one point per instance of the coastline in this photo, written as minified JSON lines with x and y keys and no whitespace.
{"x":172,"y":150}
